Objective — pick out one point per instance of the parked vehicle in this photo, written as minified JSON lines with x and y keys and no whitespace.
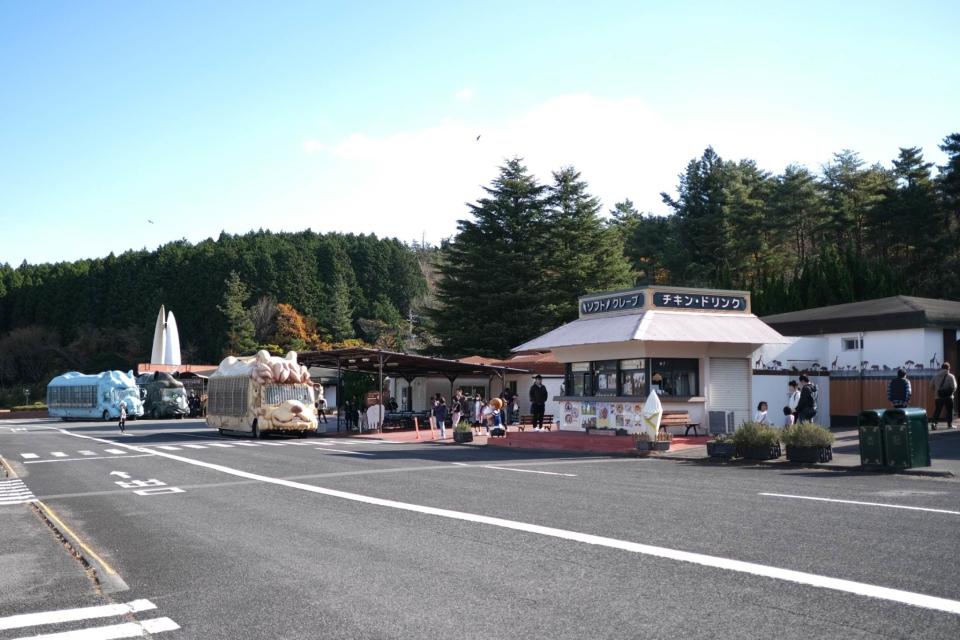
{"x":163,"y":395}
{"x":78,"y":396}
{"x":261,"y":394}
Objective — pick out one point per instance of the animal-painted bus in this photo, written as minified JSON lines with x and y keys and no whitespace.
{"x":78,"y":396}
{"x":261,"y":394}
{"x":163,"y":395}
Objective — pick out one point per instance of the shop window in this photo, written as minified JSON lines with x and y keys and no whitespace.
{"x":579,"y":380}
{"x":677,"y":377}
{"x":633,"y":378}
{"x":605,"y":374}
{"x":852,"y":344}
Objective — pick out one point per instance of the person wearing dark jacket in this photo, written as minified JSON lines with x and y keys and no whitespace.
{"x":944,"y":387}
{"x":538,"y":402}
{"x":899,"y":390}
{"x":807,"y":406}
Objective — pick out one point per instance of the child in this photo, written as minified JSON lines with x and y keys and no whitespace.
{"x":787,"y":417}
{"x":497,"y":418}
{"x":123,"y":416}
{"x":761,"y":415}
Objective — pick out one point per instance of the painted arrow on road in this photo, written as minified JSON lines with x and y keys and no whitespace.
{"x":122,"y":474}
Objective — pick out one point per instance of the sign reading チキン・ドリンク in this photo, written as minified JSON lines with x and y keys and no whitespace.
{"x":617,"y":302}
{"x":699,"y":301}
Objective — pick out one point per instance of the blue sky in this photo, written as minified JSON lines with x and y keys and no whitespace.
{"x":362,"y":117}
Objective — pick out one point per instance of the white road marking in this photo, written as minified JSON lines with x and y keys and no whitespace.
{"x":120,"y":474}
{"x":220,"y":444}
{"x":717,"y":562}
{"x":342,"y":451}
{"x":145,"y":455}
{"x":116,"y":452}
{"x":326,"y":444}
{"x":61,"y":454}
{"x":546,"y":473}
{"x":13,"y":491}
{"x":112,"y":632}
{"x":29,"y":456}
{"x":195,"y":446}
{"x":167,"y":447}
{"x":158,"y":491}
{"x":73,"y":615}
{"x":868,"y":504}
{"x":86,"y":453}
{"x":245,"y":444}
{"x":272,"y":444}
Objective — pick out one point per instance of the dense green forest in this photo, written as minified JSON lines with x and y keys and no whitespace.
{"x":513,"y":270}
{"x":295,"y":290}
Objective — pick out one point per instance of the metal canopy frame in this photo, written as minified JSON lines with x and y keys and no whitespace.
{"x":397,"y":364}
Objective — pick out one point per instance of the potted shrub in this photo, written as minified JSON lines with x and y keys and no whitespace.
{"x":462,"y":432}
{"x":642,"y":441}
{"x":662,"y":443}
{"x":757,"y":441}
{"x":722,"y":446}
{"x":808,"y":442}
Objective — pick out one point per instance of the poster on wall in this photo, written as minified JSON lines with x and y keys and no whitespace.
{"x":588,"y":415}
{"x":571,"y":415}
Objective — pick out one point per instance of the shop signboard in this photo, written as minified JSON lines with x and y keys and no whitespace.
{"x":615,"y":302}
{"x":704,"y":301}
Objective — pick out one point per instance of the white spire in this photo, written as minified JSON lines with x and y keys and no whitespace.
{"x":159,"y":339}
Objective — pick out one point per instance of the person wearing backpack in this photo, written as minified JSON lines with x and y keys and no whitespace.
{"x":944,"y":386}
{"x":807,"y":405}
{"x":899,"y":390}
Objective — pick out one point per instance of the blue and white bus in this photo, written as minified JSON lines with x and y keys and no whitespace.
{"x":76,"y":396}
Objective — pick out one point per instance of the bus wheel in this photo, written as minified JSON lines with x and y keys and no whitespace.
{"x":257,"y":434}
{"x":106,"y":415}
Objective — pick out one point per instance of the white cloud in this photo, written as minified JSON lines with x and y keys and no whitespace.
{"x":311,"y":146}
{"x":465,"y":95}
{"x":416,"y":182}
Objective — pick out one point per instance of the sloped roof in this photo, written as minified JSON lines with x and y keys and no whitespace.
{"x":895,"y":312}
{"x":544,"y":363}
{"x":658,"y":326}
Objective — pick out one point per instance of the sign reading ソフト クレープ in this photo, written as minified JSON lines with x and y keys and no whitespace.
{"x":656,"y":298}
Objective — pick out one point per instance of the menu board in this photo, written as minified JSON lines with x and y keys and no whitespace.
{"x":603,"y":415}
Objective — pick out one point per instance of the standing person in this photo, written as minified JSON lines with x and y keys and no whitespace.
{"x":788,"y":418}
{"x":347,"y":415}
{"x":486,"y":415}
{"x":496,"y":418}
{"x":440,"y":413}
{"x":807,"y":406}
{"x":899,"y":390}
{"x":507,"y":396}
{"x":123,"y":417}
{"x":477,"y":413}
{"x":456,"y":408}
{"x":538,"y":402}
{"x":761,"y":415}
{"x":944,"y":386}
{"x":793,"y":397}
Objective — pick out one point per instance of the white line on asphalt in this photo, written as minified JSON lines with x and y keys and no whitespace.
{"x":158,"y":491}
{"x":727,"y":564}
{"x":195,"y":446}
{"x":145,"y":455}
{"x":869,"y":504}
{"x":223,"y":445}
{"x":61,"y":454}
{"x":112,"y":632}
{"x":343,"y":451}
{"x":326,"y":444}
{"x":243,"y":444}
{"x":546,"y":473}
{"x":167,"y":447}
{"x":117,"y":452}
{"x":72,"y":615}
{"x":29,"y":456}
{"x":86,"y":453}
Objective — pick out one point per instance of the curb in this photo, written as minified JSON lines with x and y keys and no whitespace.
{"x":933,"y":473}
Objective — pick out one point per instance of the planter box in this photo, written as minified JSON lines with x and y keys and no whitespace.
{"x":463,"y":436}
{"x":809,"y":454}
{"x":660,"y":445}
{"x":762,"y":453}
{"x":644,"y":445}
{"x":721,"y":450}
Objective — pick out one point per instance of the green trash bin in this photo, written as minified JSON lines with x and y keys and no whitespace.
{"x":870,"y":426}
{"x":905,"y":442}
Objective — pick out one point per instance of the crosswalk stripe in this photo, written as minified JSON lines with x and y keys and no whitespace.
{"x":118,"y":452}
{"x":113,"y":632}
{"x":73,"y":615}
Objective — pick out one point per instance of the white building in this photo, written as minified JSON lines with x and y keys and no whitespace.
{"x":692,"y":346}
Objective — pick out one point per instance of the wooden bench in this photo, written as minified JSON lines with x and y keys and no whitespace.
{"x":678,"y":419}
{"x":527,"y":421}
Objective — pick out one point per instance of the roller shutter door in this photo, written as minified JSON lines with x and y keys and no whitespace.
{"x":730,"y":387}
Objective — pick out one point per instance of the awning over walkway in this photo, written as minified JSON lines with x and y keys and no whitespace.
{"x":658,"y":326}
{"x":402,"y":365}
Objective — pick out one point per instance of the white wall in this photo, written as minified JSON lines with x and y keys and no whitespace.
{"x":773,"y":389}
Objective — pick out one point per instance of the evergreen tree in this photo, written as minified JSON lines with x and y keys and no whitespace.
{"x":240,"y":340}
{"x":494,"y":288}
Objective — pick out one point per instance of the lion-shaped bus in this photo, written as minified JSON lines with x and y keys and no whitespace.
{"x":260,"y":395}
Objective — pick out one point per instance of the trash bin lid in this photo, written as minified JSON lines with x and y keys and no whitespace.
{"x":871,"y":417}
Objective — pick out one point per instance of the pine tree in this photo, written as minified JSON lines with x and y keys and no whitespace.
{"x":240,"y":339}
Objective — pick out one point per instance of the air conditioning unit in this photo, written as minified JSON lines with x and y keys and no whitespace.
{"x":721,"y":422}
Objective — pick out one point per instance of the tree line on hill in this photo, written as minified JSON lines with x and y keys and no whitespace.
{"x":230,"y":295}
{"x":795,"y":240}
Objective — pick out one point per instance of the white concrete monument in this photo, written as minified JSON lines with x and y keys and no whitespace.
{"x":166,"y":340}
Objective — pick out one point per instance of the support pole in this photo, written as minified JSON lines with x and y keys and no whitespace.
{"x":339,"y":393}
